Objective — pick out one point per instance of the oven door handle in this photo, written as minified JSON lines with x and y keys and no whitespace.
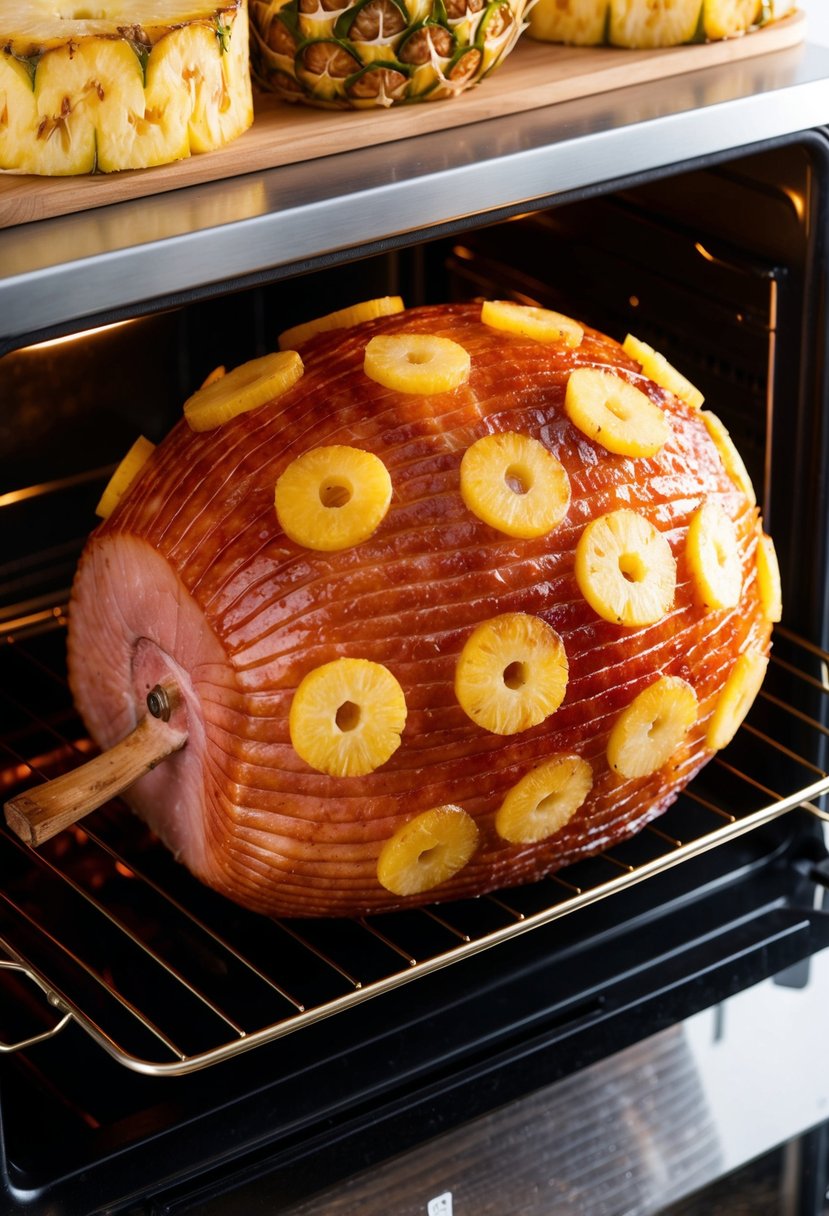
{"x":53,"y":999}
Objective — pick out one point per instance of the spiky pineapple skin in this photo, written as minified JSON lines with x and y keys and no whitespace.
{"x":317,"y":51}
{"x":94,"y":95}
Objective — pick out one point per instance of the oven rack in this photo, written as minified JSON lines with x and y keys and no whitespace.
{"x":169,"y":978}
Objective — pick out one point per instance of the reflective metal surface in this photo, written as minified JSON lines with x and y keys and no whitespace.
{"x":57,"y":272}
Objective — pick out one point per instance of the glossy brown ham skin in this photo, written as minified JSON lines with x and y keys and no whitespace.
{"x":194,"y":561}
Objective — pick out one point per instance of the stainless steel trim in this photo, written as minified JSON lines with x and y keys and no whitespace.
{"x":57,"y":272}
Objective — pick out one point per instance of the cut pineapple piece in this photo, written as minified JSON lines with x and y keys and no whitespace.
{"x":768,"y":579}
{"x":515,"y":484}
{"x":82,"y":91}
{"x":347,"y":717}
{"x":727,"y":18}
{"x":512,"y":673}
{"x":544,"y":800}
{"x":731,"y":458}
{"x":332,"y":497}
{"x":614,"y":413}
{"x":657,"y":368}
{"x":665,"y":23}
{"x":736,"y":699}
{"x":540,"y":324}
{"x":649,"y":731}
{"x":625,"y":569}
{"x":580,"y":22}
{"x":343,"y":318}
{"x":124,"y":476}
{"x":714,"y":557}
{"x":427,"y":850}
{"x":416,"y":363}
{"x":247,"y":387}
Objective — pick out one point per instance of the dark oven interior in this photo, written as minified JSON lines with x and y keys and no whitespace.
{"x":208,"y":1048}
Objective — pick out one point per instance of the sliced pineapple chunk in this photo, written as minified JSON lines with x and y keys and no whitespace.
{"x":124,"y":476}
{"x":768,"y":579}
{"x":736,"y":699}
{"x":427,"y":850}
{"x":727,"y":18}
{"x":515,"y":484}
{"x":416,"y":363}
{"x":625,"y":569}
{"x":665,"y":23}
{"x":657,"y":368}
{"x":347,"y":717}
{"x":580,"y":22}
{"x":540,"y":324}
{"x":615,"y":413}
{"x":714,"y":557}
{"x":649,"y":731}
{"x":343,"y":318}
{"x":731,"y":458}
{"x":544,"y":800}
{"x":247,"y":387}
{"x":512,"y":673}
{"x":332,"y":497}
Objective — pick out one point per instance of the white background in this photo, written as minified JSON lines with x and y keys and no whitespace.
{"x":817,"y":17}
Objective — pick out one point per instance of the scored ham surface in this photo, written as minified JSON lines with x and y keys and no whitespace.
{"x":192,"y":577}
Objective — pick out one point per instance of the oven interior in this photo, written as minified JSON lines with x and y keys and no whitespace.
{"x":171,"y":1059}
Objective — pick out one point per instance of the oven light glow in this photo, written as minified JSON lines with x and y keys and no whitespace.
{"x":709,"y":257}
{"x":84,"y":333}
{"x":797,"y":201}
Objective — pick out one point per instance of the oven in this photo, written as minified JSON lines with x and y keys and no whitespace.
{"x":639,"y":1033}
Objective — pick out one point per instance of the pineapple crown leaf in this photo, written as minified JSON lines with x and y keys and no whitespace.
{"x":223,"y":33}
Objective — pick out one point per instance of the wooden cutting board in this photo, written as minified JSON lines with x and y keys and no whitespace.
{"x":535,"y":74}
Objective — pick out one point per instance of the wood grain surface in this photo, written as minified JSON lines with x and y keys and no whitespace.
{"x":536,"y":74}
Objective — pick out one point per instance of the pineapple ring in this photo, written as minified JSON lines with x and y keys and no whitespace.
{"x":347,"y":717}
{"x":343,"y":318}
{"x":512,"y":673}
{"x":544,"y":800}
{"x":736,"y":699}
{"x":731,"y":458}
{"x":649,"y":731}
{"x":515,"y":484}
{"x":427,"y":850}
{"x":247,"y":387}
{"x":625,"y":569}
{"x":714,"y":557}
{"x":416,"y":363}
{"x":124,"y":476}
{"x":332,"y":497}
{"x":768,"y":579}
{"x":657,"y":368}
{"x":540,"y":324}
{"x":615,"y":413}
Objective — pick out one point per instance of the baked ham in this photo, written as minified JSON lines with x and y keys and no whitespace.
{"x":513,"y":653}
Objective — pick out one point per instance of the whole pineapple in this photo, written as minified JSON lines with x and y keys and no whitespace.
{"x":379,"y":52}
{"x":81,"y":93}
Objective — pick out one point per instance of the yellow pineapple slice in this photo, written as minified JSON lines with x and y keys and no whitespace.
{"x":657,"y":368}
{"x":730,"y":18}
{"x":614,"y":413}
{"x":416,"y":363}
{"x":768,"y":579}
{"x":736,"y":699}
{"x":332,"y":497}
{"x":544,"y":800}
{"x":247,"y":387}
{"x":512,"y":673}
{"x":653,"y":24}
{"x":731,"y":458}
{"x":343,"y":318}
{"x":347,"y":717}
{"x":213,"y":376}
{"x":427,"y":850}
{"x":714,"y":557}
{"x":579,"y":22}
{"x":649,"y":731}
{"x":540,"y":324}
{"x":625,"y":569}
{"x":515,"y":484}
{"x":124,"y":476}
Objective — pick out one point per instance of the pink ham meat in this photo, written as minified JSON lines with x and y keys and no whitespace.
{"x":192,"y":577}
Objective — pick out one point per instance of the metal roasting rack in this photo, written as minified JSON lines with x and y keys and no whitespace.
{"x":169,"y":978}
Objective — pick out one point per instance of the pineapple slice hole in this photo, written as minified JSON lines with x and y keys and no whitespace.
{"x":332,"y":497}
{"x":614,"y":413}
{"x":544,"y":800}
{"x":348,"y":716}
{"x":512,"y":673}
{"x":515,"y":484}
{"x":428,"y":850}
{"x":648,"y":732}
{"x":625,"y":569}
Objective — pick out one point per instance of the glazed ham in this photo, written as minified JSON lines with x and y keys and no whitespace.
{"x":450,"y":696}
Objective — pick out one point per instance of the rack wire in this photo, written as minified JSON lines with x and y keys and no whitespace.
{"x":169,"y":978}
